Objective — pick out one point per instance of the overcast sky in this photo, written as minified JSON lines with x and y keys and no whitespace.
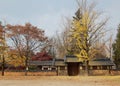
{"x":48,"y":14}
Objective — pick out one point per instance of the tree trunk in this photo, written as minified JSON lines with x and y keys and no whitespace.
{"x":26,"y":66}
{"x":3,"y":65}
{"x":86,"y":67}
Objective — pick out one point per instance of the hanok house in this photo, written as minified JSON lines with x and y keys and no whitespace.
{"x":100,"y":66}
{"x":69,"y":65}
{"x":42,"y":62}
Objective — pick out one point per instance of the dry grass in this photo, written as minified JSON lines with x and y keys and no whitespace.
{"x":18,"y":79}
{"x":62,"y":80}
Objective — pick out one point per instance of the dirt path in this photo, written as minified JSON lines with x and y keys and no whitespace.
{"x":60,"y":81}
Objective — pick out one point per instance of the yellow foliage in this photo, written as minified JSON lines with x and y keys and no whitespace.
{"x":16,"y":60}
{"x":82,"y":55}
{"x":80,"y":35}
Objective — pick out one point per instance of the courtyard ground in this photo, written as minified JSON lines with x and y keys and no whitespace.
{"x":59,"y":81}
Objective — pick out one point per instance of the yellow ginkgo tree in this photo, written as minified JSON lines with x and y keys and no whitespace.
{"x":87,"y":28}
{"x":79,"y":36}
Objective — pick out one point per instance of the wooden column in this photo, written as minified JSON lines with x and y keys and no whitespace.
{"x":109,"y":70}
{"x":57,"y":70}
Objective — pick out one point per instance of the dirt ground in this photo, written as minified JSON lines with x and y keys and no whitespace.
{"x":59,"y":81}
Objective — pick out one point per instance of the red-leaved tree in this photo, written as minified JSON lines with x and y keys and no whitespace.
{"x":26,"y":39}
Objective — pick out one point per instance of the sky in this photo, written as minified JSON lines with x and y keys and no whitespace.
{"x":49,"y":14}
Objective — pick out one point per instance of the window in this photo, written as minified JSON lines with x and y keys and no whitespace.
{"x":94,"y":67}
{"x":62,"y":67}
{"x":104,"y":67}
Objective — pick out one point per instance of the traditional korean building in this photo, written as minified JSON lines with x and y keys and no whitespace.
{"x":70,"y":65}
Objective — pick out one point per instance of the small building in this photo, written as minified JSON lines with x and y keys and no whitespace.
{"x":70,"y":65}
{"x":101,"y":63}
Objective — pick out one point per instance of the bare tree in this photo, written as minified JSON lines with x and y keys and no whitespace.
{"x":61,"y":40}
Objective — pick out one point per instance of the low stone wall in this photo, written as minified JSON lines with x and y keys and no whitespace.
{"x":42,"y":73}
{"x":30,"y":73}
{"x":14,"y":73}
{"x":104,"y":72}
{"x":99,"y":72}
{"x":63,"y":73}
{"x":82,"y":72}
{"x":115,"y":72}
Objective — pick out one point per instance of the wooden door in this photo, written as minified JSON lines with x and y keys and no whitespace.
{"x":73,"y":69}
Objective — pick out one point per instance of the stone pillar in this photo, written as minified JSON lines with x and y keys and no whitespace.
{"x":80,"y":70}
{"x":60,"y":71}
{"x":87,"y":68}
{"x":66,"y":70}
{"x":57,"y":70}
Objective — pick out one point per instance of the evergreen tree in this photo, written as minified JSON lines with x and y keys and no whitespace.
{"x":116,"y":48}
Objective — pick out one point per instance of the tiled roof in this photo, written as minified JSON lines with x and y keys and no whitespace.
{"x":59,"y":62}
{"x":101,"y":61}
{"x":71,"y":59}
{"x":47,"y":63}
